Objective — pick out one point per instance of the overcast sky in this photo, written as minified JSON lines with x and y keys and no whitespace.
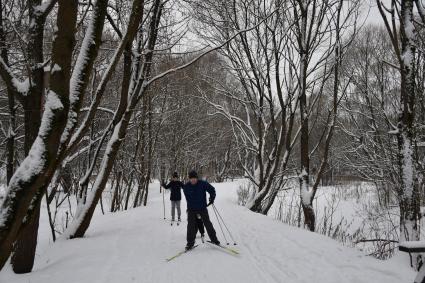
{"x":371,"y":12}
{"x":369,"y":15}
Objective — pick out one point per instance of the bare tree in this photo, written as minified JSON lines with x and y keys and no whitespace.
{"x":317,"y":22}
{"x":277,"y":72}
{"x":404,"y":39}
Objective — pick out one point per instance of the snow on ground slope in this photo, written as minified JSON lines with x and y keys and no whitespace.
{"x":132,"y":246}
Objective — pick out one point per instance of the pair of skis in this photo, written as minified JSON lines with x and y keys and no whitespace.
{"x":227,"y":249}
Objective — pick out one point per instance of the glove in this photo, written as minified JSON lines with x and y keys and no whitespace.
{"x":211,"y":201}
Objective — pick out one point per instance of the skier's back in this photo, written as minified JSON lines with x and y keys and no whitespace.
{"x":195,"y":192}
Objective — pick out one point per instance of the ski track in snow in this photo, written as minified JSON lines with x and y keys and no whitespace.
{"x":132,"y":246}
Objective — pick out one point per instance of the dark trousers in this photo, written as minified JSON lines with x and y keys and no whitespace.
{"x":200,"y":225}
{"x":192,"y":226}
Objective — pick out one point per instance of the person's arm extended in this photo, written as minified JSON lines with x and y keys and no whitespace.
{"x":184,"y":192}
{"x":166,"y":186}
{"x":211,"y":191}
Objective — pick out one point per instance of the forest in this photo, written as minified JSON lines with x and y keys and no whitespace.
{"x":310,"y":112}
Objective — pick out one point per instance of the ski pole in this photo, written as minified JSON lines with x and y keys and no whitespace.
{"x":224,"y":223}
{"x":163,"y":199}
{"x":221,"y":228}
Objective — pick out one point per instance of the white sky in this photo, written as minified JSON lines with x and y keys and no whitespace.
{"x":371,"y":12}
{"x":369,"y":15}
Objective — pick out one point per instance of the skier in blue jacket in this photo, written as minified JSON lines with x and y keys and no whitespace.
{"x":195,"y":192}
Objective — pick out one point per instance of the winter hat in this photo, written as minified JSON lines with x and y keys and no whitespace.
{"x":175,"y":175}
{"x":193,"y":174}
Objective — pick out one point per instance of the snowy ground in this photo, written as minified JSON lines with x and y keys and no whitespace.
{"x":132,"y":246}
{"x":348,"y":213}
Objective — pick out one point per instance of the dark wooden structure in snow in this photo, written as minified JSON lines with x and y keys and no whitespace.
{"x":415,"y":247}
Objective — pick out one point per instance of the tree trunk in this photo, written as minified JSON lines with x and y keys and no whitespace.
{"x":39,"y":166}
{"x":146,"y":192}
{"x":138,"y":193}
{"x":304,"y":178}
{"x":309,"y":217}
{"x":25,"y":246}
{"x":26,"y":243}
{"x":409,"y":191}
{"x":115,"y":199}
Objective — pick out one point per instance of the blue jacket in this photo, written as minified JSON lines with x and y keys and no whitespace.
{"x":175,"y":187}
{"x":196,"y":196}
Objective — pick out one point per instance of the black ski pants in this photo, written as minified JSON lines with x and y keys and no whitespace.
{"x":200,"y":224}
{"x":192,"y":226}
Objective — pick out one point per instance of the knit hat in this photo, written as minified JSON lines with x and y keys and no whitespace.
{"x":175,"y":175}
{"x":193,"y":174}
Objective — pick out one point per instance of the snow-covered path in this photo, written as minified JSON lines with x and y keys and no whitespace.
{"x":132,"y":246}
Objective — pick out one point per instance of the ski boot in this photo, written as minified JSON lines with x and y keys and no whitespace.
{"x":189,"y":246}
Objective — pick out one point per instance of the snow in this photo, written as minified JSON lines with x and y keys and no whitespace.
{"x":21,"y":87}
{"x":305,"y":192}
{"x":33,"y":164}
{"x":132,"y":246}
{"x":56,"y":68}
{"x":40,"y":9}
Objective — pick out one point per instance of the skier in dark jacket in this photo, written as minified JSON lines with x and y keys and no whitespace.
{"x":195,"y":192}
{"x":175,"y":187}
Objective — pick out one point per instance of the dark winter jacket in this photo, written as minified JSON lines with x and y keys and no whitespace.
{"x":196,"y":197}
{"x":175,"y":188}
